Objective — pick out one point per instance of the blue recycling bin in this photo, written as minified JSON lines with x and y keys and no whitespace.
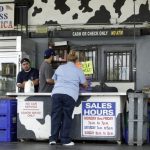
{"x":8,"y":120}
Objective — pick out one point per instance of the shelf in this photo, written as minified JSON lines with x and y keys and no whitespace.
{"x":60,"y":57}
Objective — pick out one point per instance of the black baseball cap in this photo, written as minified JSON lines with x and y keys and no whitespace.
{"x":25,"y":60}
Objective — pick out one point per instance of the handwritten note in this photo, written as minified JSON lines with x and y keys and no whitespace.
{"x":87,"y":67}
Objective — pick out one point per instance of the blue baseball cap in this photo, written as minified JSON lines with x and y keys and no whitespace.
{"x":49,"y":52}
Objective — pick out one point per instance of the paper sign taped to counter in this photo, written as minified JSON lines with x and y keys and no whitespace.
{"x":31,"y":109}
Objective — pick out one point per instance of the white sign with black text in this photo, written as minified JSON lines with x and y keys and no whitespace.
{"x":7,"y":16}
{"x":31,"y":109}
{"x":98,"y":119}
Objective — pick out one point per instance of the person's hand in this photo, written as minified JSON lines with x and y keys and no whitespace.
{"x":85,"y":84}
{"x":23,"y":84}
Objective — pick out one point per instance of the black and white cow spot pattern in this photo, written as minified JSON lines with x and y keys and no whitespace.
{"x":88,"y":11}
{"x":36,"y":11}
{"x":117,"y":5}
{"x":99,"y":17}
{"x":75,"y":16}
{"x":61,"y":5}
{"x":144,"y":14}
{"x":85,"y":6}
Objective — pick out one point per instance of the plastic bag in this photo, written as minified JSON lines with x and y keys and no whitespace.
{"x":29,"y":87}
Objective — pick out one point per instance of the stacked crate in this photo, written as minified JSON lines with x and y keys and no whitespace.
{"x":137,"y":122}
{"x":148,"y":113}
{"x":8,"y":120}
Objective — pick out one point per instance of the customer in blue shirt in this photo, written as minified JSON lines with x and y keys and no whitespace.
{"x":64,"y":95}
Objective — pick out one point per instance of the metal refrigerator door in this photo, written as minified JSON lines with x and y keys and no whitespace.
{"x":9,"y":67}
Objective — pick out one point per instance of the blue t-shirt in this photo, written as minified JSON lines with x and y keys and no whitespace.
{"x":25,"y":76}
{"x":68,"y":77}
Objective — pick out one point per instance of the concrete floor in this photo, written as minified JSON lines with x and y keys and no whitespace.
{"x":78,"y":146}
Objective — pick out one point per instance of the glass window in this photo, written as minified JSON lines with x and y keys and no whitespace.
{"x":89,"y":55}
{"x":118,"y":66}
{"x":7,"y":77}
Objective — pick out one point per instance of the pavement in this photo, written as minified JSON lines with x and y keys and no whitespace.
{"x":38,"y":145}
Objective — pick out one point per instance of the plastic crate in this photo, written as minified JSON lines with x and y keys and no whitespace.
{"x":137,"y":120}
{"x":148,"y":117}
{"x":8,"y":122}
{"x":125,"y":131}
{"x":137,"y":107}
{"x":8,"y":106}
{"x":125,"y":136}
{"x":7,"y":136}
{"x":137,"y":132}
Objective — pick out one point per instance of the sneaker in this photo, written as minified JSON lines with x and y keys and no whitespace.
{"x":69,"y":144}
{"x":52,"y":142}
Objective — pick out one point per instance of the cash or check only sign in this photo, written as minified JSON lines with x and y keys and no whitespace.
{"x":87,"y":67}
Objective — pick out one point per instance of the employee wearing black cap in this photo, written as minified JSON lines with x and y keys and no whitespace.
{"x":46,"y":72}
{"x":26,"y":74}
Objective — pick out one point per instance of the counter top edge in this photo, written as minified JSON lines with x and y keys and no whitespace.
{"x":81,"y":94}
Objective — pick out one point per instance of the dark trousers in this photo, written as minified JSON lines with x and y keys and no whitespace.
{"x":61,"y":117}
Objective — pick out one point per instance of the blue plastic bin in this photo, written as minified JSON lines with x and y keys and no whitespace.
{"x":7,"y":136}
{"x":8,"y":106}
{"x":8,"y":120}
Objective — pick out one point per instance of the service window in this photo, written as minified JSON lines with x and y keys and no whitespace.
{"x":89,"y":54}
{"x":118,"y":66}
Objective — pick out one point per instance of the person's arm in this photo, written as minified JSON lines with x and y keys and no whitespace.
{"x":21,"y":85}
{"x":50,"y":81}
{"x":83,"y":81}
{"x":85,"y":84}
{"x":35,"y":82}
{"x":54,"y":77}
{"x":48,"y":75}
{"x":36,"y":77}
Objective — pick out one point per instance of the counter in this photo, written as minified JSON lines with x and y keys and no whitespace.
{"x":97,"y":116}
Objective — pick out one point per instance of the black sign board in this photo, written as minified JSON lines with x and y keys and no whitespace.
{"x":96,"y":33}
